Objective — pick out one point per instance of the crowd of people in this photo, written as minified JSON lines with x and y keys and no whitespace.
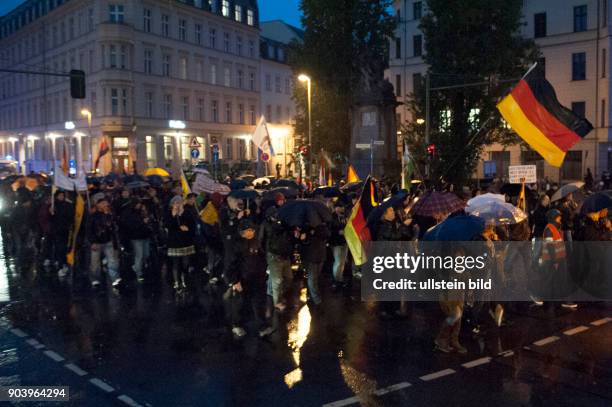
{"x":243,"y":247}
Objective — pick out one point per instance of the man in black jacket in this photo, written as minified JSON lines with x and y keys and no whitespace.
{"x":136,"y":223}
{"x":62,"y":216}
{"x":313,"y":241}
{"x":103,"y":238}
{"x":338,"y":243}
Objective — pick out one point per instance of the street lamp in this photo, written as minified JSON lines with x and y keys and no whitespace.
{"x":87,"y":113}
{"x":69,"y":125}
{"x":306,"y":78}
{"x":420,"y":121}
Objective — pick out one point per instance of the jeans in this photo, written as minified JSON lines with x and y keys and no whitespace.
{"x":340,"y":253}
{"x":313,"y":270}
{"x":112,"y":260}
{"x":141,"y":249}
{"x":280,"y":275}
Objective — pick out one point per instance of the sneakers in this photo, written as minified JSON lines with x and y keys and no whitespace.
{"x":140,"y":279}
{"x":176,"y":286}
{"x":95,"y":284}
{"x":62,"y":272}
{"x":442,"y":346}
{"x":117,"y":282}
{"x":458,"y":347}
{"x":536,"y":301}
{"x":47,"y":263}
{"x":238,"y":331}
{"x":570,"y":305}
{"x":266,"y":332}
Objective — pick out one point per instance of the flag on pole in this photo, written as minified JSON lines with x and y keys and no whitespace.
{"x":65,"y":158}
{"x":261,"y":137}
{"x":352,"y":175}
{"x":535,"y":114}
{"x":407,"y":168}
{"x":61,"y":180}
{"x":185,"y":185}
{"x":522,"y":203}
{"x":104,"y":149}
{"x":322,"y":180}
{"x":330,"y":181}
{"x":356,"y":231}
{"x":79,"y":209}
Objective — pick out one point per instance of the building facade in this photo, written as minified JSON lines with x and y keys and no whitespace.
{"x":574,"y":39}
{"x":277,"y":82}
{"x":147,"y":62}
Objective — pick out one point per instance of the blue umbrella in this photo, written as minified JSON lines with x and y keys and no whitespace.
{"x":460,"y":228}
{"x":238,"y":184}
{"x":597,"y":202}
{"x":377,"y":213}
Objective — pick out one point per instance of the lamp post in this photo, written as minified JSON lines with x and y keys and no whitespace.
{"x":306,"y":78}
{"x":87,"y":113}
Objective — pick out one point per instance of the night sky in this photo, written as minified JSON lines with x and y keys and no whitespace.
{"x":286,"y":10}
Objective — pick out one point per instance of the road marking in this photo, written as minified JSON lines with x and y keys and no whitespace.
{"x":437,"y":375}
{"x":19,"y":332}
{"x":34,"y":343}
{"x":600,"y":322}
{"x":546,"y":341}
{"x":128,"y":400}
{"x":75,"y":369}
{"x":102,"y":385}
{"x":477,"y":362}
{"x":379,"y":392}
{"x":55,"y":356}
{"x":576,"y":330}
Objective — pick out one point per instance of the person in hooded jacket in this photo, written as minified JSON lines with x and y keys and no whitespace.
{"x":62,"y":217}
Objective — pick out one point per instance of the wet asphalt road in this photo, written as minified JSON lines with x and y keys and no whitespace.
{"x":141,"y":347}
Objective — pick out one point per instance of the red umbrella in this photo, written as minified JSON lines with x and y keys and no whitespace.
{"x":435,"y":204}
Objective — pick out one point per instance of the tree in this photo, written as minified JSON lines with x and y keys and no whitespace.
{"x":467,"y":42}
{"x":337,"y":36}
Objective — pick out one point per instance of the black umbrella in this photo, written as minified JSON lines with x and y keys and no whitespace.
{"x":328,"y":192}
{"x":289,"y":193}
{"x":352,"y":186}
{"x":286,"y":183}
{"x":304,"y":213}
{"x":377,"y":213}
{"x":136,"y":184}
{"x":596,"y":202}
{"x":238,"y":184}
{"x":244,"y":194}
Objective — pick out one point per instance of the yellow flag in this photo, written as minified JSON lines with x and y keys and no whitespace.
{"x":330,"y":181}
{"x":79,"y":209}
{"x":185,"y":185}
{"x":209,"y":214}
{"x":352,"y":175}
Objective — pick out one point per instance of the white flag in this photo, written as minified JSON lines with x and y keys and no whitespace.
{"x":61,"y":181}
{"x":261,"y":137}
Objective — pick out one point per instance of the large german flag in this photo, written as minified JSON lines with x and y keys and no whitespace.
{"x":356,"y":232}
{"x":533,"y":111}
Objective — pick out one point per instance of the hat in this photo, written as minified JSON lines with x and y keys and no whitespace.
{"x":175,"y":199}
{"x":192,"y":195}
{"x":552,"y":214}
{"x":279,"y":197}
{"x":246,"y":224}
{"x":98,"y":197}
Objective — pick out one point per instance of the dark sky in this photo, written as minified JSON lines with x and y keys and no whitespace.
{"x":269,"y":9}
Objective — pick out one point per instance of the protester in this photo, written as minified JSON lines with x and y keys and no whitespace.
{"x":103,"y":238}
{"x":62,"y":216}
{"x":181,"y":241}
{"x":137,"y":224}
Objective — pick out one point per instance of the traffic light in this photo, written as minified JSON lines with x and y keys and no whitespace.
{"x":77,"y":84}
{"x":431,"y":151}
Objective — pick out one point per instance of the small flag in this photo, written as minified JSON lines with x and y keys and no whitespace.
{"x":261,"y":137}
{"x":534,"y":112}
{"x":356,"y":231}
{"x":185,"y":185}
{"x":322,"y":180}
{"x":104,"y":149}
{"x":522,"y":203}
{"x":79,"y":209}
{"x":65,"y":159}
{"x":209,"y":214}
{"x":352,"y":175}
{"x":330,"y":181}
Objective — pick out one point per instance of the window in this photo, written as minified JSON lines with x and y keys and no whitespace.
{"x":166,"y":65}
{"x":277,"y":84}
{"x":398,"y":48}
{"x":183,"y":67}
{"x":417,"y":10}
{"x":146,"y":25}
{"x":603,"y":113}
{"x":214,"y":111}
{"x":124,"y":104}
{"x":199,"y":71}
{"x":287,"y":86}
{"x":281,"y":54}
{"x":148,"y":61}
{"x":238,"y":45}
{"x":579,"y":108}
{"x":185,"y":107}
{"x":212,"y":38}
{"x":225,"y":8}
{"x":604,"y":56}
{"x":182,"y":29}
{"x":417,"y":44}
{"x":580,"y":18}
{"x":114,"y":102}
{"x":123,"y":57}
{"x":250,"y":17}
{"x":198,"y":33}
{"x":572,"y":165}
{"x":115,"y":13}
{"x":165,"y":25}
{"x":268,"y":82}
{"x":240,"y":77}
{"x":71,"y":28}
{"x":90,"y":19}
{"x":269,"y":113}
{"x":579,"y":66}
{"x":251,"y":48}
{"x":252,"y":114}
{"x":226,"y":42}
{"x":213,"y":74}
{"x":417,"y":82}
{"x":167,"y":106}
{"x":201,"y":109}
{"x":241,"y":113}
{"x":279,"y":114}
{"x":238,"y":13}
{"x":151,"y":151}
{"x":168,"y":148}
{"x":252,"y":80}
{"x":227,"y":79}
{"x":113,"y":56}
{"x":229,"y":149}
{"x":149,"y":104}
{"x":539,"y":25}
{"x":398,"y":85}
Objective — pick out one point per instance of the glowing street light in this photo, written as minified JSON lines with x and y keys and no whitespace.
{"x":420,"y":121}
{"x":69,"y":125}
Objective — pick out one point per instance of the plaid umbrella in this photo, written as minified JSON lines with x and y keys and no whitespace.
{"x":434,"y":203}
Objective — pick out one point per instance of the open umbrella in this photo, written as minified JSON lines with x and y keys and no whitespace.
{"x":247,"y":177}
{"x":304,"y":212}
{"x":513,"y":189}
{"x":157,"y":171}
{"x":352,"y":186}
{"x":31,"y":183}
{"x":327,"y":192}
{"x":238,"y":184}
{"x":110,"y":177}
{"x":499,"y":213}
{"x":434,"y":204}
{"x":378,"y":211}
{"x":287,"y":183}
{"x":457,"y":228}
{"x":133,"y":178}
{"x":289,"y":193}
{"x":263,"y":181}
{"x":486,"y":198}
{"x":565,"y":190}
{"x":596,"y":202}
{"x":155,"y":179}
{"x":244,"y":194}
{"x":136,"y":184}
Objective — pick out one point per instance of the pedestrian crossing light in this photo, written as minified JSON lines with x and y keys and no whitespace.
{"x":77,"y":84}
{"x":431,"y":151}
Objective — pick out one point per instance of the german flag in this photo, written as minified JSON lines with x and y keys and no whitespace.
{"x":356,"y":231}
{"x":535,"y":114}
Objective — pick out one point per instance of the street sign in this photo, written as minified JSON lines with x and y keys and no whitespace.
{"x":379,"y":142}
{"x":194,"y":143}
{"x":362,"y":146}
{"x":522,"y":173}
{"x":265,"y":157}
{"x":195,"y":153}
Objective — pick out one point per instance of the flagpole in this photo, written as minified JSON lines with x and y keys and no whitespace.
{"x":531,"y":68}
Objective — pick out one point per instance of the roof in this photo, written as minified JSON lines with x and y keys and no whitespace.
{"x":281,"y":31}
